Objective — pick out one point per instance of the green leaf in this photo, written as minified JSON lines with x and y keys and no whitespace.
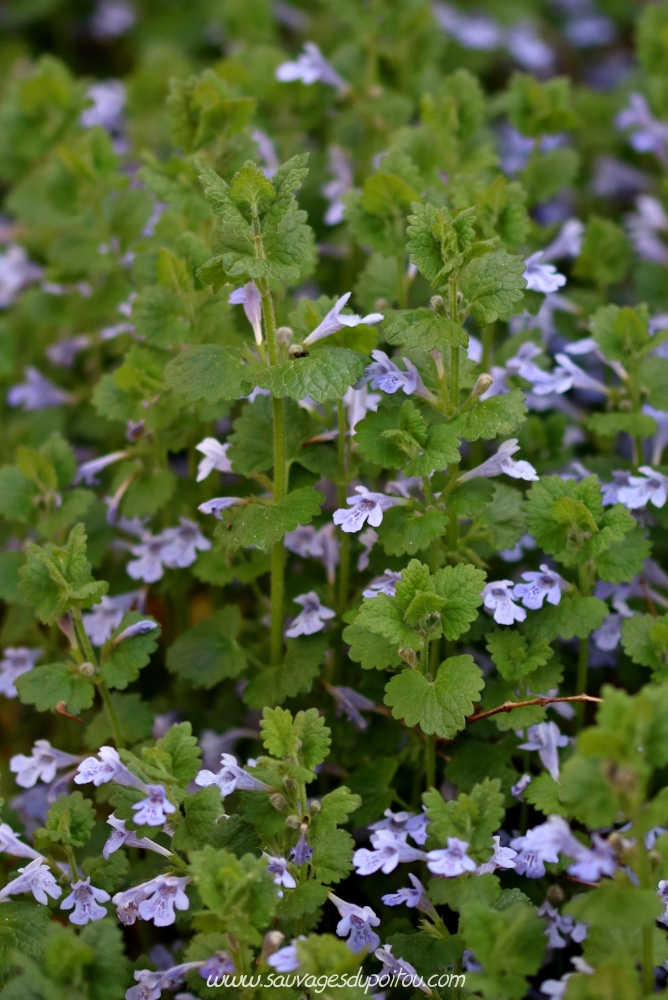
{"x":45,"y":687}
{"x":303,"y":738}
{"x":17,"y":493}
{"x":127,"y":658}
{"x":372,"y":652}
{"x":335,"y":810}
{"x":509,"y":945}
{"x":543,"y":794}
{"x":423,"y":329}
{"x":69,"y":822}
{"x":202,"y":810}
{"x":262,"y":524}
{"x":490,"y":418}
{"x":10,"y":564}
{"x":207,"y":371}
{"x":622,"y":561}
{"x":540,"y":107}
{"x":622,"y":334}
{"x":405,"y":531}
{"x":325,"y":374}
{"x":55,"y":580}
{"x":617,"y":903}
{"x":461,"y":586}
{"x":645,"y":640}
{"x":440,"y":706}
{"x":183,"y":752}
{"x":296,"y":675}
{"x":474,"y":817}
{"x":491,"y":285}
{"x":200,"y":109}
{"x":611,"y":424}
{"x":208,"y":653}
{"x":514,"y":656}
{"x":239,"y":891}
{"x":332,"y":855}
{"x":606,"y":254}
{"x":23,"y":927}
{"x":306,"y":898}
{"x":106,"y":873}
{"x":573,"y":616}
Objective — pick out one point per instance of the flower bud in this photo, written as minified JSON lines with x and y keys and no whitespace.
{"x":284,"y":334}
{"x":409,"y":656}
{"x":297,"y":351}
{"x":86,"y":669}
{"x":482,"y":385}
{"x":315,"y":807}
{"x":437,"y":304}
{"x":293,"y":822}
{"x":555,"y":895}
{"x":278,"y":801}
{"x":290,"y":784}
{"x":271,"y":943}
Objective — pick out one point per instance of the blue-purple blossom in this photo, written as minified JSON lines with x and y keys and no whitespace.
{"x":412,"y":896}
{"x":111,"y":19}
{"x":546,"y":738}
{"x":35,"y":878}
{"x":355,"y":925}
{"x":230,"y":777}
{"x":567,"y":375}
{"x":644,"y":226}
{"x":389,"y":849}
{"x":542,"y":845}
{"x":148,"y":562}
{"x":218,"y":504}
{"x":11,"y":843}
{"x":385,"y":584}
{"x":367,"y":506}
{"x":519,"y":787}
{"x":142,"y":627}
{"x":650,"y":487}
{"x":105,"y":617}
{"x":36,"y":393}
{"x":367,"y":540}
{"x":285,"y":959}
{"x":400,"y":967}
{"x":591,"y":864}
{"x":84,"y":901}
{"x":17,"y":271}
{"x":503,"y":462}
{"x":154,"y":809}
{"x":335,"y":320}
{"x":41,"y":765}
{"x":452,"y":860}
{"x":249,"y":297}
{"x":608,"y":636}
{"x":278,"y":867}
{"x":122,"y":837}
{"x":310,"y":67}
{"x":539,"y":586}
{"x":108,"y":99}
{"x":316,"y":543}
{"x":267,"y":156}
{"x":342,"y":181}
{"x":302,"y":852}
{"x":351,"y":704}
{"x":502,"y":857}
{"x":567,"y":242}
{"x":401,"y":823}
{"x":561,"y":927}
{"x":87,"y":473}
{"x":475,"y":31}
{"x":383,"y":374}
{"x":167,"y":896}
{"x":313,"y":617}
{"x":359,"y":402}
{"x":647,"y":134}
{"x":215,"y":457}
{"x":181,"y":544}
{"x":542,"y":277}
{"x":16,"y":661}
{"x":109,"y":767}
{"x":150,"y":984}
{"x":497,"y":597}
{"x":216,"y":967}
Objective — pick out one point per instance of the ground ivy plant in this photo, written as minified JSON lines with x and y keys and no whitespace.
{"x":333,"y":500}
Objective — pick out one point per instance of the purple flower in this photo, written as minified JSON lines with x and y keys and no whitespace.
{"x":10,"y":843}
{"x":36,"y":393}
{"x":342,"y":181}
{"x":367,"y":540}
{"x":217,"y":966}
{"x":546,"y":738}
{"x":87,"y":472}
{"x":111,"y":19}
{"x":154,"y":809}
{"x":522,"y":364}
{"x":41,"y":765}
{"x":591,"y":864}
{"x":399,"y":967}
{"x":451,"y":860}
{"x":567,"y":375}
{"x":310,"y":67}
{"x":315,"y":543}
{"x":389,"y":849}
{"x":383,"y":374}
{"x":181,"y":545}
{"x":150,"y":984}
{"x":518,"y":788}
{"x":219,"y":503}
{"x":148,"y":562}
{"x":63,"y":353}
{"x":644,"y":226}
{"x":108,"y":768}
{"x":662,"y":891}
{"x":651,"y":487}
{"x":312,"y":619}
{"x":278,"y":867}
{"x":471,"y":31}
{"x":367,"y":506}
{"x":15,"y":662}
{"x":266,"y":152}
{"x":355,"y":924}
{"x":139,"y":628}
{"x":358,"y":403}
{"x":121,"y":837}
{"x":385,"y":584}
{"x":608,"y":635}
{"x":108,"y":99}
{"x":542,"y":277}
{"x":543,"y":844}
{"x":559,"y":928}
{"x":230,"y":777}
{"x":106,"y":616}
{"x":285,"y":959}
{"x":502,"y":462}
{"x":546,"y":584}
{"x":248,"y":296}
{"x":528,"y":50}
{"x":351,"y":704}
{"x":167,"y":894}
{"x":301,"y":853}
{"x":502,"y":857}
{"x":660,"y":439}
{"x":17,"y":271}
{"x":648,"y":135}
{"x":567,"y":242}
{"x":335,"y":321}
{"x":497,"y":596}
{"x":401,"y":823}
{"x":410,"y":896}
{"x":35,"y":878}
{"x":84,"y":902}
{"x":215,"y":457}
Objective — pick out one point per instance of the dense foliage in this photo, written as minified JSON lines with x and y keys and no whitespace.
{"x":334,"y":640}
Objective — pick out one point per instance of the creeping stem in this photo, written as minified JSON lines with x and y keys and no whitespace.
{"x":280,"y":485}
{"x":88,"y":654}
{"x":454,"y":348}
{"x":344,"y":568}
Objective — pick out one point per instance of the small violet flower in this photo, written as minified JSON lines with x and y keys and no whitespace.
{"x":651,"y":487}
{"x":249,"y":297}
{"x":503,"y":462}
{"x":335,"y":321}
{"x":497,"y":597}
{"x":87,"y":473}
{"x":154,"y":809}
{"x":218,"y":504}
{"x":355,"y":924}
{"x":310,"y":67}
{"x":546,"y":584}
{"x":385,"y":584}
{"x":312,"y":619}
{"x":10,"y":843}
{"x":15,"y":662}
{"x":108,"y":768}
{"x":542,"y":277}
{"x":383,"y":374}
{"x":151,"y":984}
{"x":41,"y":765}
{"x":35,"y":878}
{"x":543,"y":844}
{"x":284,"y":959}
{"x":121,"y":837}
{"x":84,"y":901}
{"x":36,"y":393}
{"x":367,"y":506}
{"x":451,"y":860}
{"x":278,"y":867}
{"x":410,"y":896}
{"x":546,"y":738}
{"x":389,"y":849}
{"x":502,"y":857}
{"x":215,"y":457}
{"x":230,"y":777}
{"x":105,"y":617}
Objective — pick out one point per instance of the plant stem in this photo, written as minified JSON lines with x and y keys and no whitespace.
{"x":111,"y":712}
{"x":454,"y":348}
{"x":344,"y":567}
{"x":647,"y":932}
{"x":430,"y":761}
{"x":280,"y":487}
{"x":583,"y":652}
{"x":82,"y":638}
